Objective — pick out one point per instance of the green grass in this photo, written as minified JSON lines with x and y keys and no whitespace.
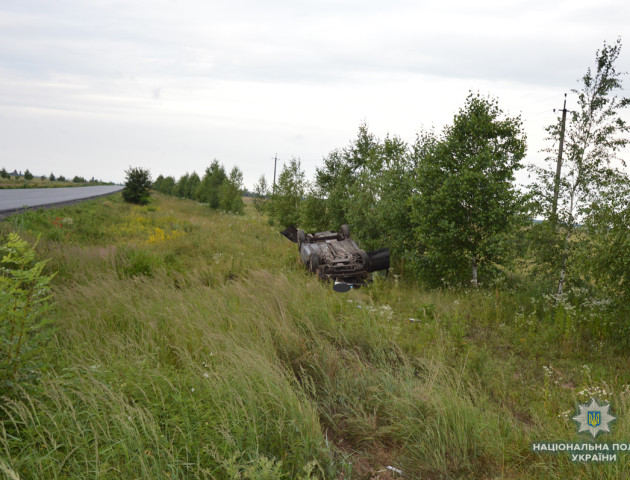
{"x":191,"y":344}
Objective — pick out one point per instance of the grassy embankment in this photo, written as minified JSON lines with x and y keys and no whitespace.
{"x":191,"y":344}
{"x":38,"y":182}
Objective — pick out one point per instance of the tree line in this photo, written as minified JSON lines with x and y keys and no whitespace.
{"x":218,"y":189}
{"x":452,"y":214}
{"x":27,"y":175}
{"x":444,"y":205}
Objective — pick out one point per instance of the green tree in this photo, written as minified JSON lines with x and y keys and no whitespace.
{"x":51,"y":177}
{"x":607,"y":252}
{"x":137,"y":186}
{"x":332,"y":183}
{"x":289,"y":192}
{"x":157,"y":184}
{"x":230,"y":198}
{"x":313,"y":215}
{"x":203,"y":190}
{"x":181,"y":186}
{"x":367,"y":185}
{"x":191,"y":186}
{"x":600,"y":267}
{"x":466,"y":201}
{"x":344,"y":170}
{"x":208,"y":189}
{"x":78,"y":179}
{"x":167,"y":185}
{"x":4,"y":173}
{"x":28,"y":175}
{"x":393,"y":211}
{"x":261,"y":191}
{"x":377,"y":205}
{"x":61,"y":178}
{"x":595,"y":134}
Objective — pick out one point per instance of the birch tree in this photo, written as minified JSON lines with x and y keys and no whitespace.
{"x":594,"y":136}
{"x":466,"y":201}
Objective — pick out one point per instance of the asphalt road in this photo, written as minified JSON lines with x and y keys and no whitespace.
{"x":14,"y":199}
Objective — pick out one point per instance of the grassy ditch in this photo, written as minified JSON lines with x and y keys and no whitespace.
{"x":191,"y":344}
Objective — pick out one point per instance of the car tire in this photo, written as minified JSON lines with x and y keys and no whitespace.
{"x":345,"y":231}
{"x":365,"y":257}
{"x":314,"y":262}
{"x":301,"y":238}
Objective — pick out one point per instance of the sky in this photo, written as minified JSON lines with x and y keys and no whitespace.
{"x":93,"y":87}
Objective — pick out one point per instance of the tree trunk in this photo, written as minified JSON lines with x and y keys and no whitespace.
{"x":563,"y":268}
{"x":474,"y":272}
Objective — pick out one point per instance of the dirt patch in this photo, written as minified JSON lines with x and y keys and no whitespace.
{"x":371,"y":464}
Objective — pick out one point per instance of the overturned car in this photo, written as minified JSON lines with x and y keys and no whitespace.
{"x":334,"y":256}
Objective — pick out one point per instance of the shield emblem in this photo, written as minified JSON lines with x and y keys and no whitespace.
{"x":594,"y":419}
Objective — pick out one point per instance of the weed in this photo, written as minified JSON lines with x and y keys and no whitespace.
{"x":24,"y":308}
{"x":132,"y":262}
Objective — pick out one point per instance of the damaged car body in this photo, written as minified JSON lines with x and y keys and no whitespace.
{"x":335,"y":257}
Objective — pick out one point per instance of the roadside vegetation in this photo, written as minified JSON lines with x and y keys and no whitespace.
{"x":187,"y":343}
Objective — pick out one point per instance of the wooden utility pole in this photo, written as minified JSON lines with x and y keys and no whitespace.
{"x":556,"y":187}
{"x":275,"y":162}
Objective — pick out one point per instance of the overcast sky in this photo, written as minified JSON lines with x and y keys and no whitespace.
{"x":92,"y":87}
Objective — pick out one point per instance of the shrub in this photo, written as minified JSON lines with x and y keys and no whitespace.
{"x":24,"y":301}
{"x":230,"y":198}
{"x":138,"y":186}
{"x":28,"y":175}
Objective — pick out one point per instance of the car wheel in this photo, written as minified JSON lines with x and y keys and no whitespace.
{"x":365,"y":258}
{"x":301,"y":237}
{"x":345,"y":231}
{"x":314,"y":262}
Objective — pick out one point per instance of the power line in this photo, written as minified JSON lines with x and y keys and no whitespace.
{"x":543,"y":113}
{"x":539,"y":101}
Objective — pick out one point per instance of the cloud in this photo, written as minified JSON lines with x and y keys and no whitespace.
{"x":297,"y":41}
{"x":243,"y":79}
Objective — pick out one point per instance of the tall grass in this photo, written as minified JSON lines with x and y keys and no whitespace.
{"x":209,"y":352}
